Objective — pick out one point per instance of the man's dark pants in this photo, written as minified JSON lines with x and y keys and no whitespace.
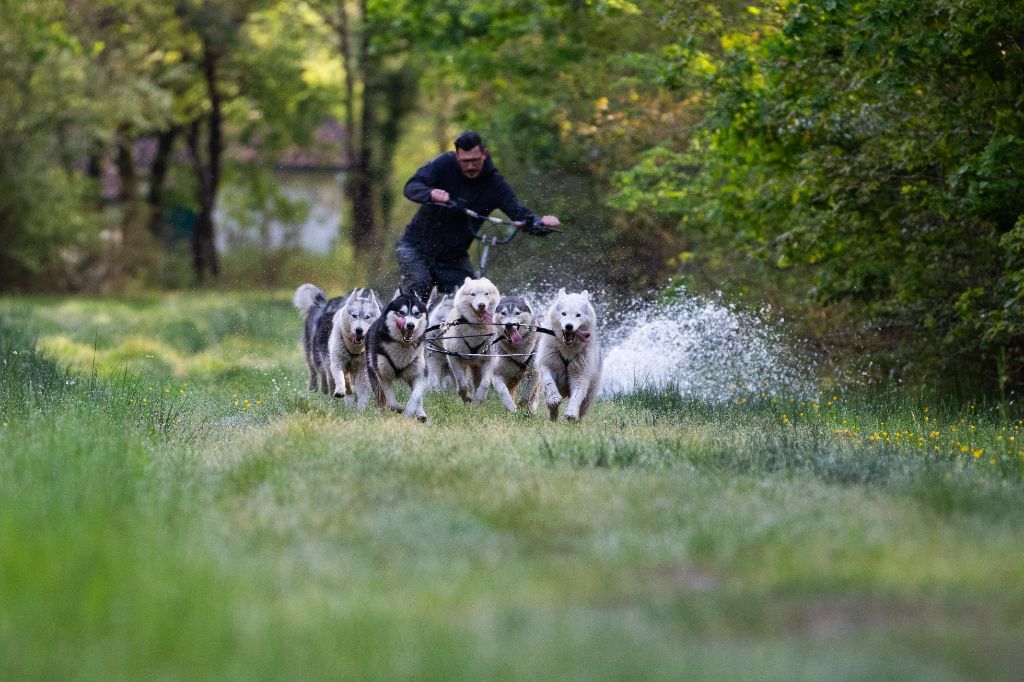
{"x":420,"y":273}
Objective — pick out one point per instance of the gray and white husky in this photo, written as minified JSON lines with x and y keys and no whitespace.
{"x":394,"y":352}
{"x":513,"y":363}
{"x":569,"y":363}
{"x":317,"y":312}
{"x":346,"y":346}
{"x":470,"y":337}
{"x":438,"y":371}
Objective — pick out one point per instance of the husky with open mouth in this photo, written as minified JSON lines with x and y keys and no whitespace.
{"x":318,"y":312}
{"x":569,"y":362}
{"x":346,"y":346}
{"x":394,"y":352}
{"x":469,"y":337}
{"x":513,"y":363}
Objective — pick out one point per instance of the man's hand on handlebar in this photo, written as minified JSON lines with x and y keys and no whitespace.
{"x":543,"y":227}
{"x":439,"y":196}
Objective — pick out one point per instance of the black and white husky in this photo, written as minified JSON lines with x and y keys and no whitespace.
{"x":334,"y":338}
{"x":394,"y":352}
{"x":513,"y":363}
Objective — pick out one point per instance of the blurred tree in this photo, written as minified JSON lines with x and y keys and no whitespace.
{"x":216,"y":27}
{"x":878,"y":143}
{"x":252,"y":90}
{"x":376,"y":43}
{"x":131,"y":84}
{"x":44,"y":74}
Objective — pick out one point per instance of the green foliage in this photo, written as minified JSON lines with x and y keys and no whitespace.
{"x":878,"y":146}
{"x":44,"y":78}
{"x":85,"y":81}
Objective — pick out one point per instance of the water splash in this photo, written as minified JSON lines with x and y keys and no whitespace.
{"x":704,"y":350}
{"x":700,"y":347}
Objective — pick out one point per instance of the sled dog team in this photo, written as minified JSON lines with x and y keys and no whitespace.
{"x":475,"y":340}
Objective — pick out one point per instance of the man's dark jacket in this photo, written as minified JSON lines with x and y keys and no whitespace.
{"x":445,"y":234}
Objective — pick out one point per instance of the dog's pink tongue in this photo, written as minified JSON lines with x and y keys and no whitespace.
{"x":515,"y":337}
{"x":584,"y":336}
{"x":486,"y":317}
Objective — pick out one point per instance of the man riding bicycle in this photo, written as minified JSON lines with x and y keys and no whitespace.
{"x":434,"y":250}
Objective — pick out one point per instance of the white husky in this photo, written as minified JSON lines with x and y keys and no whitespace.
{"x":513,"y":364}
{"x":438,"y":371}
{"x":394,"y":351}
{"x":346,"y":347}
{"x":470,"y":336}
{"x":569,"y":363}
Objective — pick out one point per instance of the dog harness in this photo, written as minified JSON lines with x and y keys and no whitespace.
{"x":473,"y":349}
{"x":394,"y":368}
{"x":521,"y":364}
{"x":524,"y":364}
{"x":565,"y":361}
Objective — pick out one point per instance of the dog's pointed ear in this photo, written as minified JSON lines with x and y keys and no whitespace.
{"x":467,"y":281}
{"x":585,"y":294}
{"x":398,"y":292}
{"x":561,"y":292}
{"x":373,"y":301}
{"x":433,"y":297}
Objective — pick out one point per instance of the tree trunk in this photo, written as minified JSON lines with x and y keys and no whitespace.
{"x":157,"y":176}
{"x":361,"y":179}
{"x":204,"y":252}
{"x":359,"y":145}
{"x":128,"y":247}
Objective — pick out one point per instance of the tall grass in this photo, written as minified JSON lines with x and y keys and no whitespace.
{"x":174,"y":504}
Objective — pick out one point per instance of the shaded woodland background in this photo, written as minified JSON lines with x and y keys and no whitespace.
{"x":857,"y":165}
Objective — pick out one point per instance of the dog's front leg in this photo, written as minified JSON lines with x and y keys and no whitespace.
{"x":388,"y":390}
{"x":581,"y":388}
{"x":435,"y":368}
{"x":498,"y":382}
{"x":461,"y":377}
{"x":577,"y":393}
{"x":361,"y":389}
{"x":483,"y":377}
{"x":415,"y":404}
{"x":551,"y":393}
{"x":338,"y":373}
{"x":531,"y":392}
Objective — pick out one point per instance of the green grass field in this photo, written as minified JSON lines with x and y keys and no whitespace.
{"x":174,"y":504}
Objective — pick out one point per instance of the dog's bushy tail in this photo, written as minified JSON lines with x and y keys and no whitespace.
{"x":307,"y":297}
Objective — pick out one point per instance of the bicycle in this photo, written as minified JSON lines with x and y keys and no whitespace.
{"x":489,"y":240}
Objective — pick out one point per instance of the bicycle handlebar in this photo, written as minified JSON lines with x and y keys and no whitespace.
{"x":516,"y":225}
